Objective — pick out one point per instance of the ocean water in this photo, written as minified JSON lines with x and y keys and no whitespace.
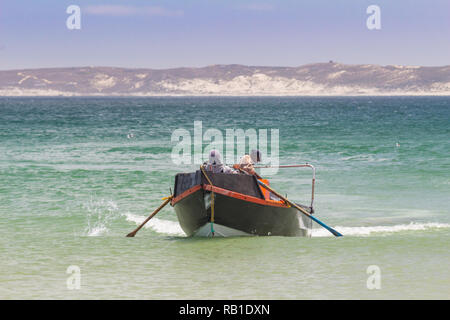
{"x":78,"y":174}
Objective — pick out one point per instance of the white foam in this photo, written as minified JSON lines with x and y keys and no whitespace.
{"x":158,"y":225}
{"x":366,"y":231}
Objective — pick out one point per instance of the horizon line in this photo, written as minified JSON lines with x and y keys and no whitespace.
{"x":229,"y":64}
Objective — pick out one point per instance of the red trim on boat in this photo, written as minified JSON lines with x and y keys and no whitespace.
{"x":229,"y":193}
{"x":185,"y":194}
{"x":244,"y":197}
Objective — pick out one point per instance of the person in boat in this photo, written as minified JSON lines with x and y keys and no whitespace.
{"x":247,"y":162}
{"x":215,"y":164}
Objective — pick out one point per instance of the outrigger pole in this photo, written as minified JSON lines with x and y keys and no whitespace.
{"x":334,"y":232}
{"x":306,"y":165}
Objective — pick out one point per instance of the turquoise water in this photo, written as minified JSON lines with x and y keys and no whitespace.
{"x":78,"y":174}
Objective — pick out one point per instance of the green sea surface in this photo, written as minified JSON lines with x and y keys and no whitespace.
{"x":78,"y":174}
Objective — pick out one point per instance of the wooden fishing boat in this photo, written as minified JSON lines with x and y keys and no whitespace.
{"x":226,"y":205}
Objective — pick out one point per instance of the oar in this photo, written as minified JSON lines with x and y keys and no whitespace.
{"x":132,"y":234}
{"x":334,"y":232}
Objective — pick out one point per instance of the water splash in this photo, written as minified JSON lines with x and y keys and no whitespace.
{"x":99,"y":217}
{"x":96,"y":231}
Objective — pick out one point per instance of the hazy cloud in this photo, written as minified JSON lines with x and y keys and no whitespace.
{"x":123,"y":10}
{"x":258,"y":7}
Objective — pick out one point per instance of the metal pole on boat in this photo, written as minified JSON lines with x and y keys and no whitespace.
{"x":334,"y":232}
{"x":299,"y":166}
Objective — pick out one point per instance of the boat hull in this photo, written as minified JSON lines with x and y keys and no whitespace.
{"x":236,"y":215}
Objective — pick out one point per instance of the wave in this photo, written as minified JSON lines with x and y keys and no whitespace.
{"x":158,"y":225}
{"x":173,"y":227}
{"x":366,"y":231}
{"x":365,"y":157}
{"x":140,"y":149}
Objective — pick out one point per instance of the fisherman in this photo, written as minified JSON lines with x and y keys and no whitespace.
{"x":215,"y":164}
{"x":247,"y":162}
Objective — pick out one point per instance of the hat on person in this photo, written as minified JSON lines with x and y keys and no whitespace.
{"x":215,"y":158}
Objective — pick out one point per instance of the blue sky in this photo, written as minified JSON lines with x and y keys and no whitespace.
{"x":192,"y":33}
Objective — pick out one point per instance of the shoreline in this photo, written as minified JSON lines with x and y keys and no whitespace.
{"x":77,"y":95}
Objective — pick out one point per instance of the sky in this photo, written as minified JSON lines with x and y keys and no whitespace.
{"x":194,"y":33}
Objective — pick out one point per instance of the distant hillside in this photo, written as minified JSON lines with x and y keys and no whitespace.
{"x":229,"y":80}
